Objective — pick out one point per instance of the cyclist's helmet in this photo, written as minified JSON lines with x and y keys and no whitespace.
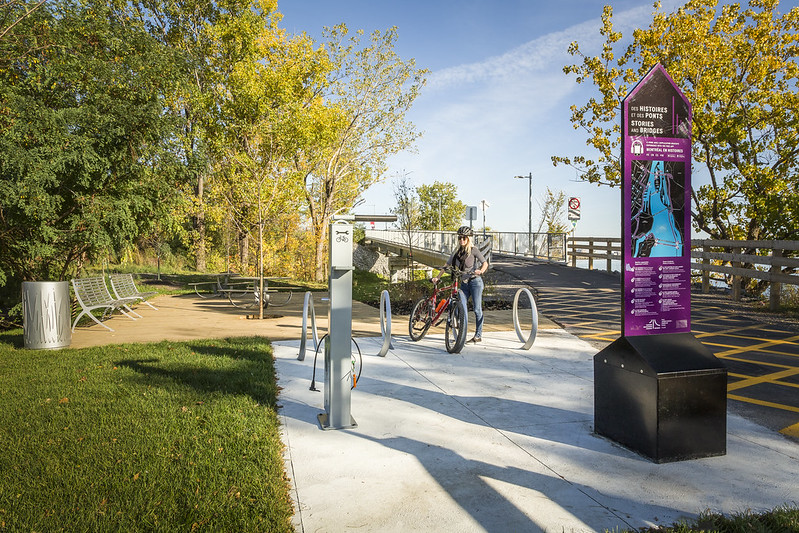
{"x":465,"y":231}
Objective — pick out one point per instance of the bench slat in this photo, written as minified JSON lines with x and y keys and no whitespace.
{"x":124,"y":287}
{"x":92,"y":293}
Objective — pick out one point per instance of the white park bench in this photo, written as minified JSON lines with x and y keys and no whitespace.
{"x":124,"y":287}
{"x":92,"y":294}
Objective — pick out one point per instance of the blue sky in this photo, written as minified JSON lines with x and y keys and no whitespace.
{"x":496,"y":104}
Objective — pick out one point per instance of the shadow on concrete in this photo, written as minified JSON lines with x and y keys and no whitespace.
{"x":466,"y":481}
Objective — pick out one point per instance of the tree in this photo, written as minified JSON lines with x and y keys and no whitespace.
{"x":552,"y":212}
{"x":86,"y":164}
{"x":439,"y":207}
{"x":266,"y":84}
{"x":739,"y":70}
{"x":14,"y":11}
{"x":407,"y":211}
{"x":211,"y":38}
{"x":368,"y":91}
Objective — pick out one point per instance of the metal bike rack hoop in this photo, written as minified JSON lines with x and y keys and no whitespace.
{"x":385,"y":323}
{"x":305,"y":306}
{"x":531,"y":339}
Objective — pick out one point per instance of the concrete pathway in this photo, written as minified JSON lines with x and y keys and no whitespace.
{"x":498,"y":439}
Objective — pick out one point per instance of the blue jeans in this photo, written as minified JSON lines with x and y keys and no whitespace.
{"x":474,"y":289}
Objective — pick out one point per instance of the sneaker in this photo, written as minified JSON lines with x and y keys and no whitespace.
{"x":476,"y":339}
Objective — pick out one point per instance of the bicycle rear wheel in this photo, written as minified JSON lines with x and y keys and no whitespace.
{"x":455,"y":331}
{"x":421,"y":317}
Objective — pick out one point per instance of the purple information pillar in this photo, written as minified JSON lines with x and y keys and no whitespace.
{"x":656,"y":208}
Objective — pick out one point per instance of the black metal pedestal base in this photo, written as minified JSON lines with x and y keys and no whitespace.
{"x":663,"y":396}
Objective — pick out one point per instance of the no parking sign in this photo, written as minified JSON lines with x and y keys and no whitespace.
{"x":574,"y":208}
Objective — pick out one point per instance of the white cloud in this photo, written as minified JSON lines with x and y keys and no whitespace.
{"x":543,"y":53}
{"x":486,"y":121}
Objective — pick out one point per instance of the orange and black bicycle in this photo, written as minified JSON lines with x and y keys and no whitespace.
{"x":446,"y":303}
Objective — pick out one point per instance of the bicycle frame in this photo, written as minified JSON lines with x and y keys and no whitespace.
{"x":437,"y":309}
{"x":444,"y":304}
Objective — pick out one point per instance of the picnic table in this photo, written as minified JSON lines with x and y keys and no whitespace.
{"x":241,"y":291}
{"x":249,"y":296}
{"x":222,"y":282}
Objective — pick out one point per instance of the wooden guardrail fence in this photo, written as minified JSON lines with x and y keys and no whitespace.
{"x":771,"y":261}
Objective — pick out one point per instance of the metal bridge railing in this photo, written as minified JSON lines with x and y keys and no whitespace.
{"x":543,"y":246}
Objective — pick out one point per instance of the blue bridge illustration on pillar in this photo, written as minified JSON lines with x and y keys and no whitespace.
{"x":655,"y":231}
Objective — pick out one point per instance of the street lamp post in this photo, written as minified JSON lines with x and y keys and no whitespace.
{"x":484,"y":204}
{"x":529,"y":177}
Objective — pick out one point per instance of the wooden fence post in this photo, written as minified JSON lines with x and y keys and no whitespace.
{"x":736,"y":279}
{"x":775,"y":287}
{"x":591,"y":253}
{"x":706,"y":273}
{"x":609,"y":252}
{"x":573,"y":251}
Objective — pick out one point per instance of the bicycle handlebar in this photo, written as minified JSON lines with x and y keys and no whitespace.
{"x":454,"y":271}
{"x":457,"y":272}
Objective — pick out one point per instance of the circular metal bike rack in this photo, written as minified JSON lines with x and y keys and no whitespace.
{"x":531,"y":339}
{"x":308,"y":304}
{"x":385,"y":323}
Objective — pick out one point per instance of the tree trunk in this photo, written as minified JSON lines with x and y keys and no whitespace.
{"x":199,"y":226}
{"x":321,"y":262}
{"x":244,"y":251}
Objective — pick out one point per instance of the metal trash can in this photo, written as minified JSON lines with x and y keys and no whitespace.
{"x":46,"y":314}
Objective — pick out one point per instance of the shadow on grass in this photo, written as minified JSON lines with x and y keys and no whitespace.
{"x":235,"y":352}
{"x":248,"y":371}
{"x":12,"y":339}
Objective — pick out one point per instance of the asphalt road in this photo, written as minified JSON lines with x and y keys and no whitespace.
{"x":759,"y":349}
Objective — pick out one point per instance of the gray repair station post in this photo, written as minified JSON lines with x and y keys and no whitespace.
{"x":338,"y":346}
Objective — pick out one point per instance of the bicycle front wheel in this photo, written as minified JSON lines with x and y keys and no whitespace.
{"x":421,"y":317}
{"x":455,"y":331}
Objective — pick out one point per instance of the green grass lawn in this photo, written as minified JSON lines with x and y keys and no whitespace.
{"x":783,"y":519}
{"x":173,"y":436}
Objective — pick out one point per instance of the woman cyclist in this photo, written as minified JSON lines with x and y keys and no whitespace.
{"x":470,"y":260}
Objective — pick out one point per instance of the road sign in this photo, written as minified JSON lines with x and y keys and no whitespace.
{"x":574,"y":208}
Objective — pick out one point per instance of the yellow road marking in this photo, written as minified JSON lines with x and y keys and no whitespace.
{"x":774,"y":352}
{"x":791,"y":431}
{"x":732,"y":331}
{"x":768,"y":378}
{"x":748,"y":337}
{"x":726,"y":332}
{"x":763,"y":403}
{"x":587,"y":325}
{"x":756,"y":362}
{"x":756,"y":347}
{"x":718,"y":345}
{"x":598,"y":338}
